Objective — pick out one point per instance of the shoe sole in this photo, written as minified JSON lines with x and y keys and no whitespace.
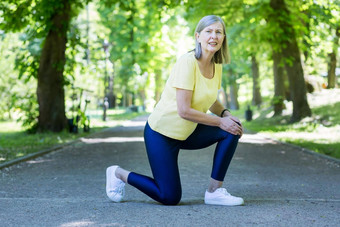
{"x":219,"y":203}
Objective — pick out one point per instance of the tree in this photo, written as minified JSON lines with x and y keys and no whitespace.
{"x":50,"y":90}
{"x":233,"y":89}
{"x":333,"y":60}
{"x":315,"y":27}
{"x":48,"y":20}
{"x":279,"y":88}
{"x":321,"y":37}
{"x":134,"y":29}
{"x":331,"y":10}
{"x":257,"y":98}
{"x":286,"y":39}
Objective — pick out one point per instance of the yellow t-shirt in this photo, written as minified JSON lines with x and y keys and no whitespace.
{"x":185,"y":75}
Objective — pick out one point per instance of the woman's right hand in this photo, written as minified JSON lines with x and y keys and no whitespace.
{"x":232,"y":125}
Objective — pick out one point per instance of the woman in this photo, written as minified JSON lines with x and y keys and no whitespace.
{"x":180,"y":121}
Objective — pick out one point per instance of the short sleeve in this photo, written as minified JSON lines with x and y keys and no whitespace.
{"x":183,"y":73}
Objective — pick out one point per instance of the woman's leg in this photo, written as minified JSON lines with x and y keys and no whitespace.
{"x":162,"y":152}
{"x":204,"y":136}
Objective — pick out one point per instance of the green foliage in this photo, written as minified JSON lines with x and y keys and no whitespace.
{"x":28,"y":57}
{"x":16,"y":14}
{"x":137,"y":47}
{"x":143,"y":37}
{"x":278,"y":100}
{"x":29,"y":108}
{"x":33,"y":14}
{"x":324,"y":19}
{"x":14,"y":92}
{"x":8,"y":79}
{"x":33,"y":19}
{"x":18,"y":94}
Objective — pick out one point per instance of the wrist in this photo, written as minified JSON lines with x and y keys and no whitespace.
{"x":225,"y":113}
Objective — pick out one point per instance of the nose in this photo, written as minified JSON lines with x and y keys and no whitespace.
{"x":213,"y":35}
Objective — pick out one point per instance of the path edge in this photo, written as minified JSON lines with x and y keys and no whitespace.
{"x":46,"y":151}
{"x":305,"y":150}
{"x":34,"y":155}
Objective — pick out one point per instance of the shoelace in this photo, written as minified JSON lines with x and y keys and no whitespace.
{"x":119,"y":188}
{"x":224,"y":191}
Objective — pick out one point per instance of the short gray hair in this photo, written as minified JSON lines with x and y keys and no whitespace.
{"x":222,"y":55}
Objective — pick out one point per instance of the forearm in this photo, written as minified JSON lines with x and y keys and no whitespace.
{"x":196,"y":116}
{"x":227,"y":122}
{"x":217,"y":108}
{"x":185,"y":111}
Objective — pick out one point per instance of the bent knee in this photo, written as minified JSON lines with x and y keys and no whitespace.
{"x":235,"y":137}
{"x":230,"y":137}
{"x":171,"y":199}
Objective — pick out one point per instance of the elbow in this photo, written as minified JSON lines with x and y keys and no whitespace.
{"x":183,"y":113}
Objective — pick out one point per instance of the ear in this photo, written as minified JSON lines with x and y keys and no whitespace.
{"x":197,"y":36}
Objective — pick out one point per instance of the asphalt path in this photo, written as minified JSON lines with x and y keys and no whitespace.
{"x":282,"y":185}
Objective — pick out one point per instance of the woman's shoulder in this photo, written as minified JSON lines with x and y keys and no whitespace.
{"x":187,"y":57}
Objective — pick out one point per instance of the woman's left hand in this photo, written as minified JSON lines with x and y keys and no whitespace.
{"x":232,"y":125}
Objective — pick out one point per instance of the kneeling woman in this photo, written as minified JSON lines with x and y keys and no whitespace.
{"x":180,"y":121}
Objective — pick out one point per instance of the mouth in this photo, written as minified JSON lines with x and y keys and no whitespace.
{"x":212,"y":43}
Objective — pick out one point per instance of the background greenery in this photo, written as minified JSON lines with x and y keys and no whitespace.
{"x":124,"y":50}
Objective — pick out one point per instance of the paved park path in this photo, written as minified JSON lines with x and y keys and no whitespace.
{"x":282,"y":186}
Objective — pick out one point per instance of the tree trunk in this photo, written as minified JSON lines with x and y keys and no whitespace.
{"x":279,"y":88}
{"x":257,"y":99}
{"x":291,"y":54}
{"x":234,"y":105}
{"x":232,"y":100}
{"x":109,"y":91}
{"x":331,"y":70}
{"x":50,"y":90}
{"x":297,"y":85}
{"x":332,"y":61}
{"x":112,"y":95}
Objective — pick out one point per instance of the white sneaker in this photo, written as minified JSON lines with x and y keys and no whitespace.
{"x":114,"y":187}
{"x":222,"y":197}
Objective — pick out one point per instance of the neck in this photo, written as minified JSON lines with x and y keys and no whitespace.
{"x":206,"y":58}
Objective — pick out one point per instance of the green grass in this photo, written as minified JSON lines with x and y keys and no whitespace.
{"x":330,"y":149}
{"x":320,"y":132}
{"x":15,"y":143}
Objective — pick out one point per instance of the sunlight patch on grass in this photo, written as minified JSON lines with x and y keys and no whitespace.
{"x":10,"y":126}
{"x":324,"y":97}
{"x":320,"y":134}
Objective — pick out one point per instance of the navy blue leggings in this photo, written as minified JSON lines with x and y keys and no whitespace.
{"x":163,"y":151}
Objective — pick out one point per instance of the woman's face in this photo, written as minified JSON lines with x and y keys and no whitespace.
{"x":211,"y":38}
